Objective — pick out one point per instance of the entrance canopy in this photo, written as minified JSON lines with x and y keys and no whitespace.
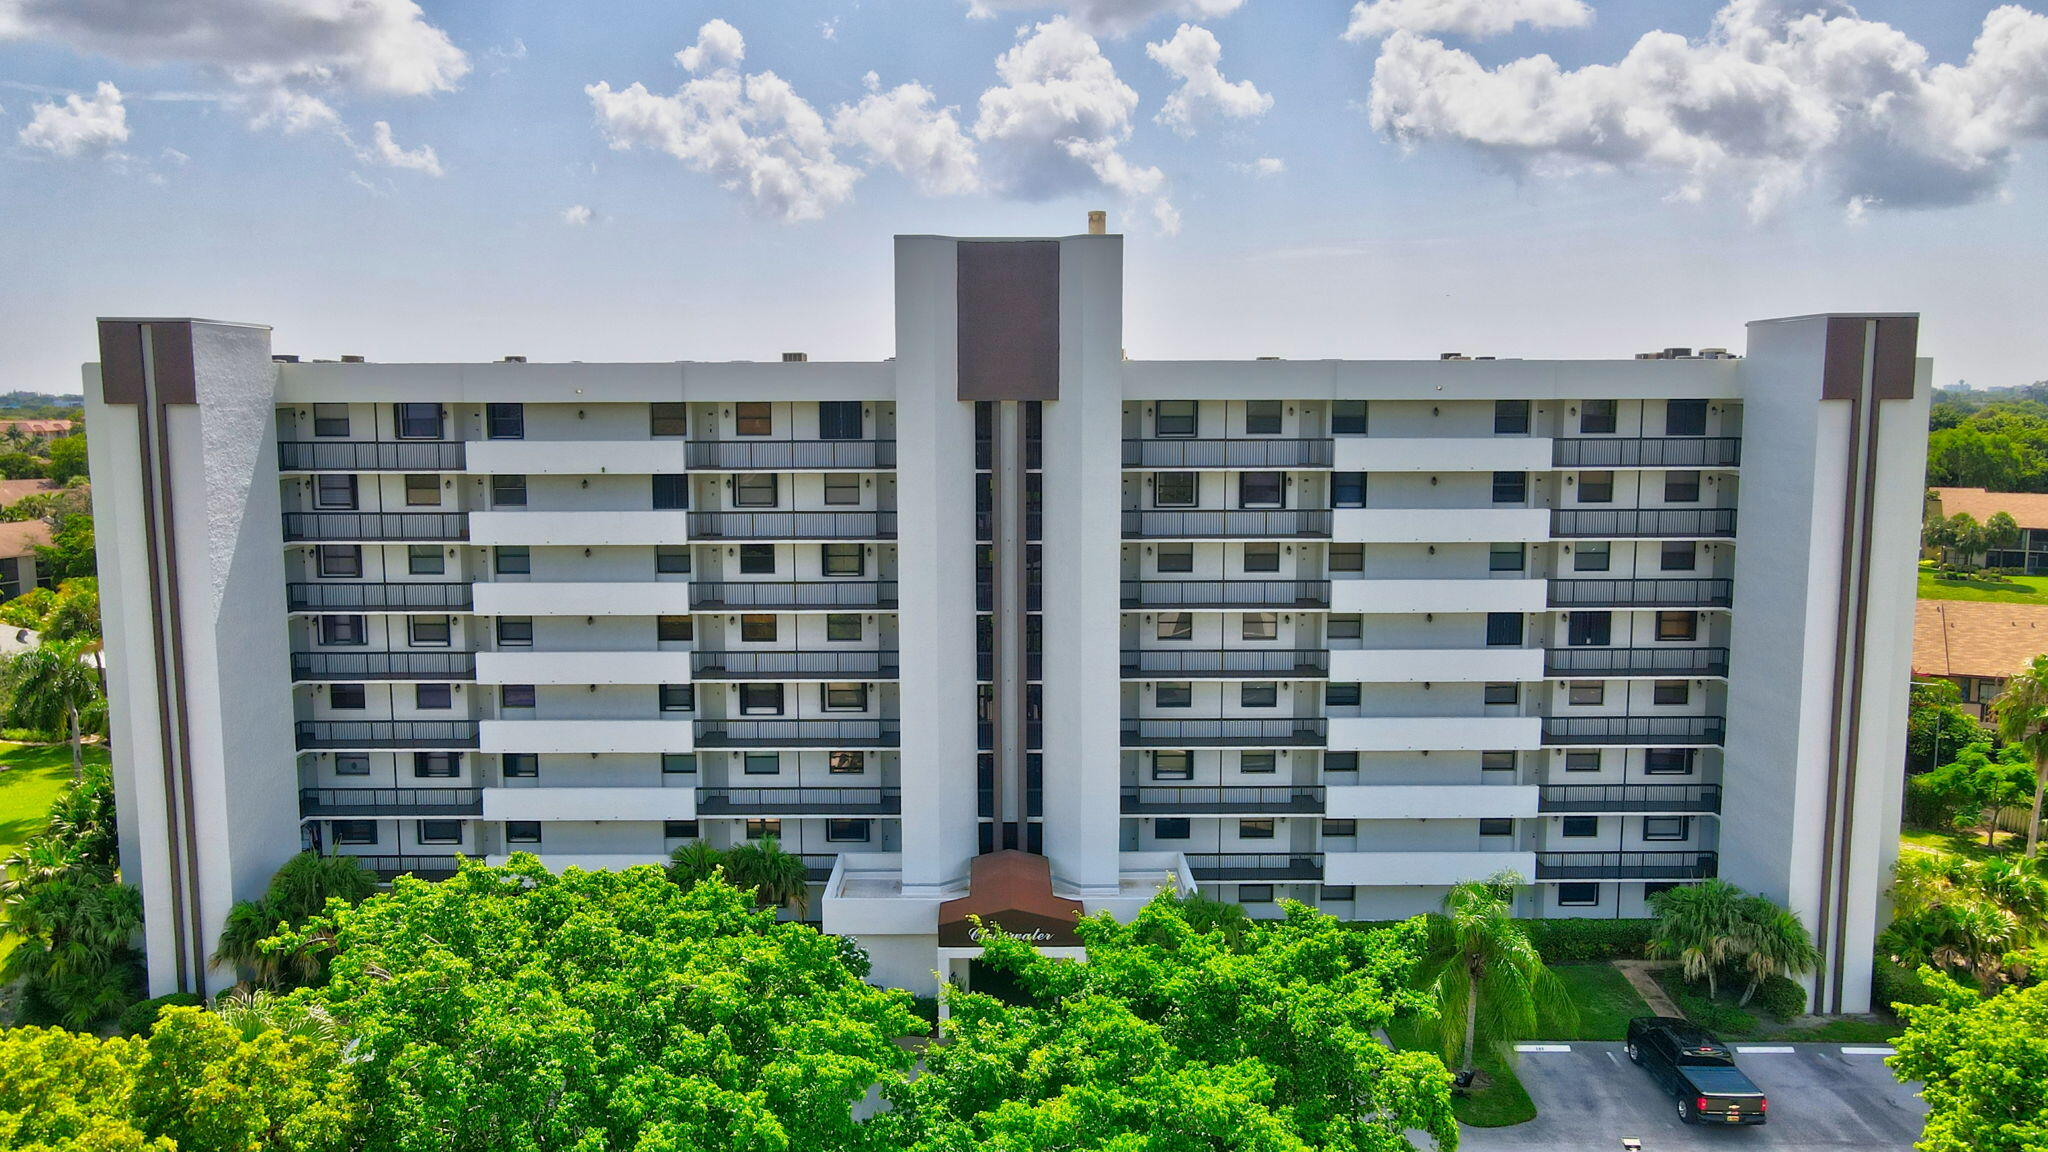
{"x":1012,"y":894}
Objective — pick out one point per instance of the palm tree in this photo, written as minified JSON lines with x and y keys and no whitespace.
{"x":52,"y":688}
{"x":299,"y":890}
{"x":253,"y":1011}
{"x":776,"y":878}
{"x":1696,"y":925}
{"x":1772,"y":942}
{"x":693,"y":863}
{"x":1483,"y":967}
{"x":2022,"y":712}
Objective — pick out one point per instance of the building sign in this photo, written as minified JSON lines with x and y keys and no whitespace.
{"x":1010,"y":894}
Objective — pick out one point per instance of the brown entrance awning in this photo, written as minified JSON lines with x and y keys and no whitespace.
{"x":1012,"y":893}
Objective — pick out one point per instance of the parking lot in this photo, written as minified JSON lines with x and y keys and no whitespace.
{"x":1822,"y":1096}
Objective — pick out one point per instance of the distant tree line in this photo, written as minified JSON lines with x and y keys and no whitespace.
{"x":1995,"y":440}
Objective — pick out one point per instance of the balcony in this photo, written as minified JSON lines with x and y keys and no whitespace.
{"x":1649,"y":799}
{"x":331,"y":802}
{"x":1227,"y":524}
{"x":347,"y":596}
{"x":370,"y":456}
{"x":1614,"y":730}
{"x":376,"y":527}
{"x":646,"y":737}
{"x":1429,"y":801}
{"x":589,"y":803}
{"x":1251,"y":452}
{"x":389,"y":868}
{"x":320,"y":735}
{"x":1618,"y":662}
{"x":850,"y":665}
{"x":1647,"y":452}
{"x":1443,"y":454}
{"x":1284,"y":663}
{"x":577,"y":457}
{"x":1226,"y":594}
{"x":793,"y":525}
{"x":556,"y":666}
{"x":349,"y":667}
{"x":1462,"y":525}
{"x":1255,"y":866}
{"x":762,"y":455}
{"x":720,"y":801}
{"x":818,"y":865}
{"x":1434,"y":733}
{"x":1436,"y":665}
{"x":1644,"y":523}
{"x":1423,"y":869}
{"x":1655,"y":593}
{"x":1225,"y":732}
{"x":1469,"y":594}
{"x":798,"y":733}
{"x":787,"y":595}
{"x":583,"y":597}
{"x":1626,"y":865}
{"x":1230,"y":800}
{"x":588,"y":527}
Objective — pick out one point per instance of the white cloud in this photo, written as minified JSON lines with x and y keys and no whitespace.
{"x":829,"y":29}
{"x":576,"y":215}
{"x":290,"y":112}
{"x":1110,"y":17}
{"x":904,"y":129}
{"x":1264,"y":167}
{"x":1779,"y":96}
{"x":79,"y":126}
{"x":1473,"y":18}
{"x":1192,"y":54}
{"x":385,"y":151}
{"x":719,"y":45}
{"x":173,"y":156}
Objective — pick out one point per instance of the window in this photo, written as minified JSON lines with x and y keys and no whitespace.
{"x":842,"y":488}
{"x":330,"y":419}
{"x":1578,"y":895}
{"x":1258,"y":763}
{"x":848,"y":831}
{"x":429,"y":630}
{"x":760,"y":699}
{"x":1176,"y":418}
{"x":343,"y":630}
{"x":344,"y":560}
{"x":1582,"y":761}
{"x":1510,"y":417}
{"x":1172,"y":828}
{"x":845,"y":697}
{"x":1340,"y":829}
{"x":1596,"y":487}
{"x":1262,"y":557}
{"x":1173,"y":765}
{"x":1337,"y":893}
{"x":1666,"y":827}
{"x":1341,"y":694}
{"x":679,"y":763}
{"x":422,"y":490}
{"x":676,"y":628}
{"x":678,"y":697}
{"x":1667,"y":762}
{"x":1174,"y":490}
{"x":505,"y":421}
{"x":761,"y":764}
{"x":1671,"y":692}
{"x":425,"y":560}
{"x":1262,"y":417}
{"x":763,"y":829}
{"x":1347,"y":489}
{"x":516,"y":696}
{"x":1176,"y":626}
{"x":417,"y":421}
{"x":1261,"y":626}
{"x":1503,"y":693}
{"x":1503,"y":629}
{"x":1176,"y":557}
{"x":1261,"y":489}
{"x":1496,"y":826}
{"x":1260,"y":829}
{"x":1681,"y":487}
{"x":846,"y":763}
{"x":508,"y":491}
{"x":1596,"y":416}
{"x":1592,"y":556}
{"x":672,"y":560}
{"x":839,"y":420}
{"x":1584,"y":693}
{"x":1685,"y":418}
{"x":512,"y":561}
{"x":668,"y":419}
{"x":678,"y":829}
{"x":1589,"y":629}
{"x":433,"y":697}
{"x":355,"y":831}
{"x":334,"y":492}
{"x":837,"y":560}
{"x":1497,"y":761}
{"x":1340,"y":761}
{"x":1580,"y":827}
{"x":1510,"y":487}
{"x":1506,"y":558}
{"x":754,"y":418}
{"x":1348,"y":418}
{"x":1258,"y":694}
{"x":1347,"y":557}
{"x":436,"y":765}
{"x":1346,"y":627}
{"x":519,"y":766}
{"x":522,"y":831}
{"x":351,"y":763}
{"x":515,"y":631}
{"x":754,"y":490}
{"x":842,"y":626}
{"x":757,"y":627}
{"x":671,"y":491}
{"x":1654,"y":887}
{"x":1174,"y":694}
{"x":759,"y":559}
{"x":1678,"y":556}
{"x":1254,"y":893}
{"x":1677,"y":626}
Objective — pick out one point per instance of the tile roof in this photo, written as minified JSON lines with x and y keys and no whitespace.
{"x":18,"y":538}
{"x":2029,"y":508}
{"x":1971,"y":638}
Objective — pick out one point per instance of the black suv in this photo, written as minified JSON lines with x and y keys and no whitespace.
{"x":1697,"y":1069}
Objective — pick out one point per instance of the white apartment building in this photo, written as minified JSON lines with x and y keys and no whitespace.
{"x":1009,"y":624}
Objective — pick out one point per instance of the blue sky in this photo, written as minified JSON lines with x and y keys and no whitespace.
{"x":1393,"y":178}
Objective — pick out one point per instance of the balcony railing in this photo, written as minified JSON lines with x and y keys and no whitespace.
{"x":1653,"y":593}
{"x":1633,"y":730}
{"x":338,"y":596}
{"x":1226,"y":594}
{"x":715,"y":801}
{"x":793,"y":525}
{"x":1672,"y":661}
{"x":390,"y":867}
{"x":818,"y":865}
{"x":1621,"y":523}
{"x":792,"y":665}
{"x":798,"y":733}
{"x":1570,"y":798}
{"x":1225,"y":731}
{"x":374,"y":526}
{"x":1195,"y":800}
{"x":1287,"y":662}
{"x":1626,"y":865}
{"x":327,"y":802}
{"x":746,"y":594}
{"x":1251,"y":452}
{"x":1214,"y":866}
{"x":370,"y":455}
{"x":1647,"y":452}
{"x":751,"y":455}
{"x":1231,"y":523}
{"x":351,"y":666}
{"x":425,"y":734}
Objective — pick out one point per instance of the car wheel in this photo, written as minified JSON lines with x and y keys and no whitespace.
{"x":1685,"y":1111}
{"x":1634,"y":1057}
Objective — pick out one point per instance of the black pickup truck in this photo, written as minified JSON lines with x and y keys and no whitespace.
{"x":1697,"y":1069}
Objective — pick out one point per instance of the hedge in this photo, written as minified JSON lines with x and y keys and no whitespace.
{"x":1892,"y":984}
{"x":138,"y":1018}
{"x":1781,"y":998}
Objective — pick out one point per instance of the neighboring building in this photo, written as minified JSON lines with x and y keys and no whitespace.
{"x":18,"y":543}
{"x":2028,"y":509}
{"x":1011,"y":625}
{"x":36,"y":429}
{"x":1978,"y":645}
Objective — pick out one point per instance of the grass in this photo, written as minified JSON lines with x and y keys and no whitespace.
{"x":2001,"y":589}
{"x":35,"y":776}
{"x":1727,"y":1019}
{"x":1605,"y":999}
{"x":1500,"y":1104}
{"x":1967,"y":844}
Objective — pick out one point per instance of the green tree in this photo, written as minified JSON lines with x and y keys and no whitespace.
{"x":693,"y":862}
{"x":70,"y":552}
{"x":1696,"y":925}
{"x":2001,"y":532}
{"x":1771,"y":941}
{"x":1966,"y":537}
{"x":1488,"y":979}
{"x":18,"y":465}
{"x":1967,"y":915}
{"x":54,"y":688}
{"x":71,"y":920}
{"x":1936,"y":725}
{"x":66,"y":1091}
{"x":1983,"y":1067}
{"x":2022,"y":715}
{"x":1978,"y":785}
{"x":67,"y":458}
{"x":776,"y":878}
{"x":299,"y":890}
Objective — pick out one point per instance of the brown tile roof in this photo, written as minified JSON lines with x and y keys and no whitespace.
{"x":1969,"y":638}
{"x":18,"y":538}
{"x":37,"y":427}
{"x":12,"y":490}
{"x":2029,"y":508}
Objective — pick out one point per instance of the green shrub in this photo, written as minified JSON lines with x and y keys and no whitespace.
{"x":138,"y":1018}
{"x":1780,"y":998}
{"x":1568,"y":941}
{"x":1892,"y":984}
{"x":927,"y":1010}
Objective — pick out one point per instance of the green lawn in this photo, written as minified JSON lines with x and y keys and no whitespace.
{"x":1605,"y":999}
{"x":34,"y":777}
{"x":1502,"y":1103}
{"x":1954,"y":843}
{"x":1724,"y":1017}
{"x":2006,"y":589}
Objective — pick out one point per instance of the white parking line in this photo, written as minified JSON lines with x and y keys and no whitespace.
{"x":1884,"y":1050}
{"x":1777,"y":1049}
{"x":1543,"y":1047}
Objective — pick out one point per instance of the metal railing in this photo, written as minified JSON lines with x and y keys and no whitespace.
{"x":1222,"y":731}
{"x":793,"y":525}
{"x":347,"y":666}
{"x":1250,"y":523}
{"x":849,"y":593}
{"x":751,"y":455}
{"x":1161,"y":799}
{"x":390,"y":867}
{"x":808,"y":665}
{"x":1647,"y":452}
{"x":376,"y":526}
{"x":1226,"y":593}
{"x":1673,"y":661}
{"x":391,"y":802}
{"x":1626,"y":865}
{"x":798,"y":733}
{"x":1567,"y":798}
{"x":1633,"y":730}
{"x":423,"y":595}
{"x":1214,"y":866}
{"x":370,"y":455}
{"x":721,"y":801}
{"x":1250,"y":452}
{"x":818,"y":865}
{"x":1619,"y":523}
{"x":1651,"y":593}
{"x":1290,"y":662}
{"x":428,"y":734}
